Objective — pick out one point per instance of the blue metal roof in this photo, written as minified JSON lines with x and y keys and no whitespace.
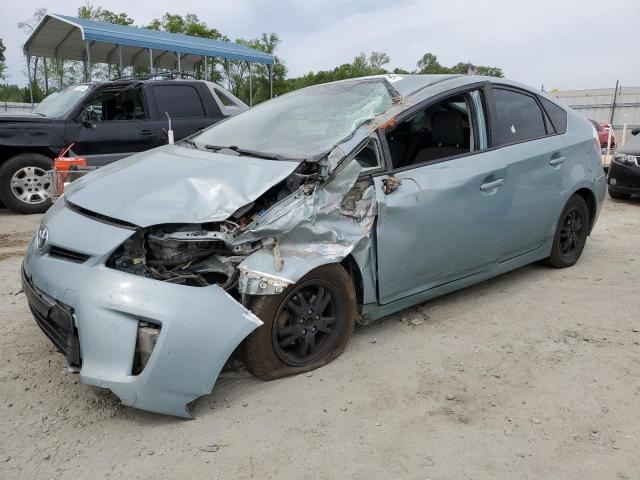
{"x":110,"y":33}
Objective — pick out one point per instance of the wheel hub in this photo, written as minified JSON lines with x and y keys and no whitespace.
{"x":571,"y":231}
{"x":30,"y":185}
{"x":304,"y":324}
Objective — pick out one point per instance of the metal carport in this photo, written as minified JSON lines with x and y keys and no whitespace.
{"x":89,"y":41}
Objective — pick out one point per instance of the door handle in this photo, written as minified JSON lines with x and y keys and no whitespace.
{"x":491,"y":185}
{"x":556,"y":161}
{"x":146,"y":132}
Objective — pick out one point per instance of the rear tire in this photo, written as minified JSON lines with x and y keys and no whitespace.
{"x":618,"y":196}
{"x":24,"y":183}
{"x":296,"y":319}
{"x":571,"y":233}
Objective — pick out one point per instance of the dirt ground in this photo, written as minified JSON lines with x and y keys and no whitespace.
{"x":535,"y":374}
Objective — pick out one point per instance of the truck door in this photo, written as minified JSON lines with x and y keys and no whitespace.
{"x":115,"y":121}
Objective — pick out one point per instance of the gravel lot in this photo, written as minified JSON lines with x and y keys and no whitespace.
{"x":535,"y":374}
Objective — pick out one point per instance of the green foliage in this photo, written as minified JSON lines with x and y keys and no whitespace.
{"x":429,"y":64}
{"x":3,"y":64}
{"x":361,"y":66}
{"x":11,"y":93}
{"x":239,"y":71}
{"x":91,"y":12}
{"x":190,"y":24}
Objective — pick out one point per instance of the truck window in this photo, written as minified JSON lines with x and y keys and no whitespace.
{"x":113,"y":105}
{"x":179,"y":101}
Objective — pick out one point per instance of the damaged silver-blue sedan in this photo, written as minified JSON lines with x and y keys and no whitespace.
{"x":276,"y":230}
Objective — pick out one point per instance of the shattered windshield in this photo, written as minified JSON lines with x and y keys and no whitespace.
{"x":60,"y":103}
{"x":304,"y":123}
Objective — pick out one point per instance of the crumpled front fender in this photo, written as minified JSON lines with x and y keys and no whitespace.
{"x":309,"y":231}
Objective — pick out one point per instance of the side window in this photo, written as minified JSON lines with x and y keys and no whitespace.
{"x":180,"y":101}
{"x":368,"y":157}
{"x":224,"y":99}
{"x":557,"y":115}
{"x":518,"y":117}
{"x":441,"y":130}
{"x":113,"y":105}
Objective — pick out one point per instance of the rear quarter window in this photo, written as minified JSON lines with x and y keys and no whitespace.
{"x":557,"y":115}
{"x":179,"y":101}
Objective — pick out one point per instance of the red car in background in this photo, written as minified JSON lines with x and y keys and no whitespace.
{"x":603,"y":133}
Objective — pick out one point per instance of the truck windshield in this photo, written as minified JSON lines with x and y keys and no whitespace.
{"x":60,"y":103}
{"x":304,"y":123}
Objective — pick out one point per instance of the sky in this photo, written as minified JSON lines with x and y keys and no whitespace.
{"x":564,"y":44}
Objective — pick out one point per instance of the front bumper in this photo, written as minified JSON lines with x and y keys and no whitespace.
{"x":200,"y":326}
{"x":624,"y":178}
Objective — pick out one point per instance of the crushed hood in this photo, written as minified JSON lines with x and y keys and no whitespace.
{"x":174,"y":184}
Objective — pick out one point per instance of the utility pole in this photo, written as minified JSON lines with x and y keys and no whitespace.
{"x":613,"y":104}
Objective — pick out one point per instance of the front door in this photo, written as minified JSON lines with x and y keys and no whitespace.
{"x":445,"y":219}
{"x":113,"y":122}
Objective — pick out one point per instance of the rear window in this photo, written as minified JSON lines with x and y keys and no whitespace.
{"x":179,"y":101}
{"x":518,"y":117}
{"x":557,"y":115}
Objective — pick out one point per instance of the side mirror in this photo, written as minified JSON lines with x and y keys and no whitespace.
{"x":635,"y":131}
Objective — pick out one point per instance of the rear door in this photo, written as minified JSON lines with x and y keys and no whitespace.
{"x":185,"y":103}
{"x":445,"y":219}
{"x":534,"y":155}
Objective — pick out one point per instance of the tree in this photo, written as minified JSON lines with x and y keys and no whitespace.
{"x":239,"y":71}
{"x":190,"y":24}
{"x":429,"y":64}
{"x":3,"y":65}
{"x":91,"y":12}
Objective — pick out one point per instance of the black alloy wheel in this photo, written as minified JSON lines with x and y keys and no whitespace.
{"x":305,"y":323}
{"x":305,"y":327}
{"x":571,"y":233}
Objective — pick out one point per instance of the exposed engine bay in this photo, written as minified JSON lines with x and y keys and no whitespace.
{"x":205,"y":254}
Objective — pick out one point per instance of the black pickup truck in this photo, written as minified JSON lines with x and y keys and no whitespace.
{"x":105,"y":122}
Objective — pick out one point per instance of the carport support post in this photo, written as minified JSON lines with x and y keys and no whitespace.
{"x":270,"y":81}
{"x":206,"y":68}
{"x":88,"y":75}
{"x":150,"y":61}
{"x":250,"y":86}
{"x":120,"y":60}
{"x":29,"y":75}
{"x":179,"y":64}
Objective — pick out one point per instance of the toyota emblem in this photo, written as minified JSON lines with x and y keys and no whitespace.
{"x":42,"y":238}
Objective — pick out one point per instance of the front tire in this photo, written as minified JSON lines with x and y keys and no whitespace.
{"x":571,"y":233}
{"x":305,"y":327}
{"x":24,"y":183}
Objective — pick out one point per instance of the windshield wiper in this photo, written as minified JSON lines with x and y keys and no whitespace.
{"x":191,"y":143}
{"x":251,"y":153}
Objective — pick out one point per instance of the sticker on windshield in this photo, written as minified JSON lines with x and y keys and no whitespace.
{"x":393,"y":78}
{"x":81,"y":88}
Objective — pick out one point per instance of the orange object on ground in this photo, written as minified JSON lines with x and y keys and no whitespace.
{"x":65,"y":164}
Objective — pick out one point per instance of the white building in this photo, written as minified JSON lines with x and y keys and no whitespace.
{"x":603,"y":105}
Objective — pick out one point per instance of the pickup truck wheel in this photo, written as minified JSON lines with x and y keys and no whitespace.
{"x":305,"y":327}
{"x":24,"y":183}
